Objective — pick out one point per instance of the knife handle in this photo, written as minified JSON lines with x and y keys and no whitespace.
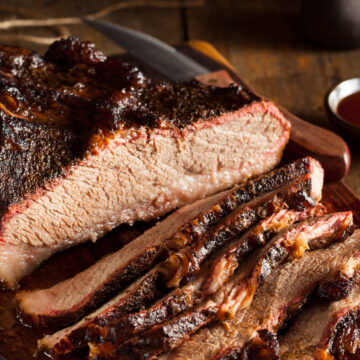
{"x":305,"y":138}
{"x":322,"y":144}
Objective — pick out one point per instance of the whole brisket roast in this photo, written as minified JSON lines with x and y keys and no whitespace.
{"x":298,"y":184}
{"x":87,"y":143}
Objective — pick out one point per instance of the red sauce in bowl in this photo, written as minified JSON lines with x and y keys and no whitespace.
{"x":349,"y":108}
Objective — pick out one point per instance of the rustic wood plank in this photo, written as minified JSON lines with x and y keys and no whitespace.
{"x":164,"y":23}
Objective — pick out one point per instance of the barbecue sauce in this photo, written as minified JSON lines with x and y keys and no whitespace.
{"x":349,"y":108}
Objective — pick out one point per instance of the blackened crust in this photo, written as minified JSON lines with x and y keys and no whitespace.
{"x":296,"y":196}
{"x":345,"y":343}
{"x":127,"y":326}
{"x":140,"y":297}
{"x":263,"y":184}
{"x":56,"y":110}
{"x":337,"y":288}
{"x":164,"y":337}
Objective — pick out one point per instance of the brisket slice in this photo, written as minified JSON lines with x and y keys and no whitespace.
{"x":152,"y":283}
{"x":160,"y":338}
{"x":313,"y":332}
{"x":265,"y":345}
{"x":130,"y":319}
{"x":232,"y":255}
{"x":66,"y":302}
{"x":282,"y":295}
{"x":295,"y":240}
{"x":149,"y":344}
{"x":141,"y":293}
{"x":75,"y":125}
{"x":185,"y":263}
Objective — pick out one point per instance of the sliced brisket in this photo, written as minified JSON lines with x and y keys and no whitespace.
{"x":186,"y":262}
{"x":233,"y":254}
{"x":313,"y":332}
{"x":195,"y":291}
{"x":108,"y":323}
{"x":230,"y":297}
{"x":75,"y":125}
{"x":282,"y":296}
{"x":298,"y":184}
{"x":295,"y":240}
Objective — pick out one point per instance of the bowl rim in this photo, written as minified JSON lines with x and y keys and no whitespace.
{"x":330,"y":109}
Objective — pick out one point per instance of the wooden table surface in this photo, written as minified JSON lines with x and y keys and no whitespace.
{"x":263,"y":39}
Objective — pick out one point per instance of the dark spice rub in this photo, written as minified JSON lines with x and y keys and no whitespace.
{"x":52,"y":108}
{"x":88,"y":143}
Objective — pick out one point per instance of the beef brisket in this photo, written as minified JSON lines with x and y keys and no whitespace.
{"x":312,"y":334}
{"x":232,"y":255}
{"x":294,"y":240}
{"x":195,"y":291}
{"x":109,"y":324}
{"x":282,"y":295}
{"x":186,"y":263}
{"x":88,"y":143}
{"x":251,"y":275}
{"x":299,"y":183}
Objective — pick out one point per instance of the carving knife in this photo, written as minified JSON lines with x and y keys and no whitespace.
{"x":151,"y":51}
{"x":306,"y":138}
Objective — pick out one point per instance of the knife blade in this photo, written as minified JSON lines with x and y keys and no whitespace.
{"x":160,"y":56}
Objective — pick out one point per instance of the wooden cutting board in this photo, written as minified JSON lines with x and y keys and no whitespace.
{"x":19,"y":343}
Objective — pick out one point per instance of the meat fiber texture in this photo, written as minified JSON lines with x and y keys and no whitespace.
{"x":295,"y":254}
{"x":88,"y":143}
{"x":285,"y":290}
{"x":313,"y":332}
{"x":296,"y":186}
{"x":66,"y":302}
